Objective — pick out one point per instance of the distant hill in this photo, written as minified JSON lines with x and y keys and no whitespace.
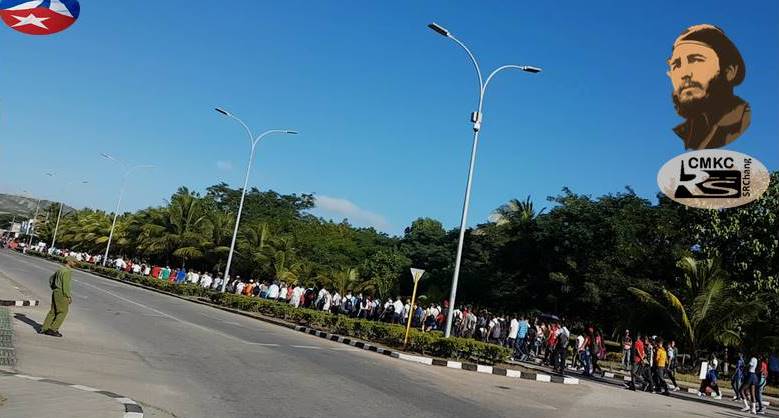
{"x":24,"y":206}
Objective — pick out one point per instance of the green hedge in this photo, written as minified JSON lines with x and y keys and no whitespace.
{"x":429,"y":343}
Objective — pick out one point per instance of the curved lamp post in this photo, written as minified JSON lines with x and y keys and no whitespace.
{"x":476,"y":119}
{"x":127,"y":171}
{"x":59,"y":214}
{"x":253,"y":141}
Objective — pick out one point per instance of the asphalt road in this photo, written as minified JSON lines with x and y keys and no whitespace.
{"x":182,"y":359}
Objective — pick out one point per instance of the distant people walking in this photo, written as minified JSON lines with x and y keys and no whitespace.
{"x":61,"y":298}
{"x":627,"y":344}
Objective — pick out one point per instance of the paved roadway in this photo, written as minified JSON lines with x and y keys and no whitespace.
{"x":187,"y":360}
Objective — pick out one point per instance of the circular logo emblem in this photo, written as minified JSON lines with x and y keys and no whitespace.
{"x":713,"y":179}
{"x":39,"y":17}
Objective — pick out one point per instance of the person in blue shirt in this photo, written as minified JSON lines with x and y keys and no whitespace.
{"x":181,"y":276}
{"x":520,"y":343}
{"x":738,"y":377}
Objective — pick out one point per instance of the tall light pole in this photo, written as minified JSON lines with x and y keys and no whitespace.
{"x":59,"y":214}
{"x":31,"y":226}
{"x":476,"y":119}
{"x":253,"y":141}
{"x":127,"y":171}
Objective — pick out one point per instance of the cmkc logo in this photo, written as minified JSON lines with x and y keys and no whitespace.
{"x":713,"y":179}
{"x":39,"y":17}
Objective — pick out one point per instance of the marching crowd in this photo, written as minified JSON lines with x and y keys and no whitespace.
{"x":544,"y":338}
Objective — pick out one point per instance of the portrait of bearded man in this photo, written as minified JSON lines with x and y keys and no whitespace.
{"x":704,"y":68}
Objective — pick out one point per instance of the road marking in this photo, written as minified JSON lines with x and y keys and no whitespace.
{"x":262,"y":344}
{"x":211,"y":330}
{"x":310,"y":347}
{"x":345,"y":349}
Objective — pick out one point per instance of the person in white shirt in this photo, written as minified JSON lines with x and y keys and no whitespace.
{"x":119,"y":264}
{"x":297,"y":292}
{"x":206,"y":280}
{"x":328,"y":301}
{"x":273,"y":291}
{"x":239,"y":288}
{"x":283,"y":292}
{"x":136,"y":268}
{"x":513,"y":330}
{"x":336,"y":302}
{"x":398,"y":310}
{"x":320,"y":296}
{"x":147,"y":270}
{"x":195,"y":277}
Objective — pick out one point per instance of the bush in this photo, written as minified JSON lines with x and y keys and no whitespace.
{"x":431,"y":343}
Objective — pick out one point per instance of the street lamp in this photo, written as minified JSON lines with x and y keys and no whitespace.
{"x":127,"y":171}
{"x":476,"y":119}
{"x":31,"y":226}
{"x":254,"y":141}
{"x":59,"y":215}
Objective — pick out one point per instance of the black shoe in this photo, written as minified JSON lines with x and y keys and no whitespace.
{"x":57,"y":334}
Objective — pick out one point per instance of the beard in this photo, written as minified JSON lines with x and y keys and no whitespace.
{"x":718,"y":98}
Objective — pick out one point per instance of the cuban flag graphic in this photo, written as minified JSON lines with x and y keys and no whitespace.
{"x":39,"y":17}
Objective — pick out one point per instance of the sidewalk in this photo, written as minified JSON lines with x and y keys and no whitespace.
{"x":20,"y":396}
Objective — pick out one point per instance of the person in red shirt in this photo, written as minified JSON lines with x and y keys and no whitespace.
{"x":638,"y":358}
{"x":762,"y":379}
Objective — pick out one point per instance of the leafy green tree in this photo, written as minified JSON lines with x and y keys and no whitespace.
{"x":384,"y":270}
{"x":703,"y":311}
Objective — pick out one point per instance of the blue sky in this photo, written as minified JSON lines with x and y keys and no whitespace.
{"x":381,"y":101}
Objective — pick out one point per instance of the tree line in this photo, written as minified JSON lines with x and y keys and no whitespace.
{"x":705,"y":277}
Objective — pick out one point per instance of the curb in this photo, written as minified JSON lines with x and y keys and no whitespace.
{"x":538,"y":377}
{"x":131,"y":408}
{"x":19,"y":302}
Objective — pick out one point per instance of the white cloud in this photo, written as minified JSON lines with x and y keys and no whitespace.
{"x":224,"y":165}
{"x":351,"y":211}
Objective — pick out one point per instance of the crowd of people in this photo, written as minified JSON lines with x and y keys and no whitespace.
{"x":652,"y":362}
{"x":545,"y":338}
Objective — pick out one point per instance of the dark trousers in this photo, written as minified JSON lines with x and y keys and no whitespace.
{"x":659,"y":374}
{"x":671,"y":374}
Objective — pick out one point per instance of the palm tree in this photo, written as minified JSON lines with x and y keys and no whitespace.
{"x":515,"y":212}
{"x":221,"y":234}
{"x":254,"y":247}
{"x":342,"y":280}
{"x":179,"y":230}
{"x":285,"y":266}
{"x":704,"y":311}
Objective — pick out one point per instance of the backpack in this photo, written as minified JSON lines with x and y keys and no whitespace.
{"x":562,"y":341}
{"x":348,"y":305}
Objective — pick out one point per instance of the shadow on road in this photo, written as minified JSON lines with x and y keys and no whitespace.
{"x":22,"y":317}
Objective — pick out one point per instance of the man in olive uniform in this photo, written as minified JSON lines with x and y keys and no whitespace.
{"x":60,"y":299}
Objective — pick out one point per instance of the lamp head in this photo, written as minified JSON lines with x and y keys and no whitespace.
{"x":439,"y":29}
{"x":531,"y":69}
{"x":222,"y":111}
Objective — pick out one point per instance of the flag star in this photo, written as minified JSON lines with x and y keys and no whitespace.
{"x":31,"y":19}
